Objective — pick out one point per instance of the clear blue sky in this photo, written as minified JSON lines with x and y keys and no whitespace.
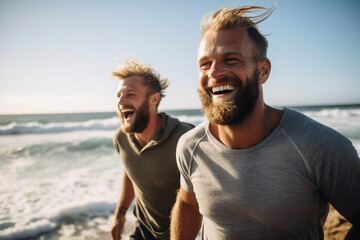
{"x":56,"y":55}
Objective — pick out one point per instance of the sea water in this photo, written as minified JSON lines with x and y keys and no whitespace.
{"x":60,"y":176}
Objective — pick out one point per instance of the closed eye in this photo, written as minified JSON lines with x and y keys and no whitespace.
{"x":130,"y":94}
{"x":231,"y":61}
{"x":205,"y":65}
{"x":127,"y":94}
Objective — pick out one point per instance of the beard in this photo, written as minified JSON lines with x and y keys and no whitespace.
{"x":141,"y":121}
{"x":232,"y":111}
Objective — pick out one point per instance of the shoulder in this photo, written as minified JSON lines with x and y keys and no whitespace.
{"x":193,"y":136}
{"x":174,"y":125}
{"x":184,"y":126}
{"x":119,"y":137}
{"x":318,"y":143}
{"x":303,"y":128}
{"x":116,"y":139}
{"x":119,"y":133}
{"x":187,"y":146}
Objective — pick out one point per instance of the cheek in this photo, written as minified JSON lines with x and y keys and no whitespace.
{"x":202,"y":79}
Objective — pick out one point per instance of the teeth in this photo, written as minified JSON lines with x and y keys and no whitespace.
{"x":126,"y":110}
{"x":127,"y":113}
{"x":223,"y":88}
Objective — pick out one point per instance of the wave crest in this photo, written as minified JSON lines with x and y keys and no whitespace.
{"x":34,"y":227}
{"x":37,"y":127}
{"x":335,"y":113}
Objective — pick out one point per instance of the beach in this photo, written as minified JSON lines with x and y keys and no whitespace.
{"x":60,"y":176}
{"x":336,"y":226}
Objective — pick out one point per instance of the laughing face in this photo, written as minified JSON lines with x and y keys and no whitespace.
{"x":230,"y":111}
{"x":228,"y":76}
{"x":133,"y":105}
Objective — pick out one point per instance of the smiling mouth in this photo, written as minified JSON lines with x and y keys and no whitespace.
{"x":224,"y":89}
{"x":127,"y":113}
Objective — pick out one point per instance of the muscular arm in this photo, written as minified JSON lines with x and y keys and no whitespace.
{"x":185,"y":217}
{"x":126,"y":197}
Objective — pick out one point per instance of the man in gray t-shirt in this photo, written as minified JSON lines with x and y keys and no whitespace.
{"x":252,"y":171}
{"x":278,"y":188}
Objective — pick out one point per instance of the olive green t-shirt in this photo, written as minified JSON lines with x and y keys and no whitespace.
{"x":154,"y":173}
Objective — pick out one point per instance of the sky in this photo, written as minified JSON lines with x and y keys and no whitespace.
{"x":56,"y":55}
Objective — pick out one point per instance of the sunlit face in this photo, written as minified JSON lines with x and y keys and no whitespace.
{"x":133,"y":105}
{"x":228,"y":76}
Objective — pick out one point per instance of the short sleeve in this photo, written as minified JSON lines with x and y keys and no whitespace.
{"x":183,"y":160}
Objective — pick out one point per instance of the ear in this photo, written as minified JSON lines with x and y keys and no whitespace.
{"x":154,"y":99}
{"x":265,"y":67}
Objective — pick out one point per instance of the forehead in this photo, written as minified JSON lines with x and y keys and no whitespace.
{"x":133,"y":83}
{"x":220,"y":42}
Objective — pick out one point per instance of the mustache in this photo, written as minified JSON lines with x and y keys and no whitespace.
{"x":227,"y":79}
{"x":128,"y":106}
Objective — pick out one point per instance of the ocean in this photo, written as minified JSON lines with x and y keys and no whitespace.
{"x":60,"y":176}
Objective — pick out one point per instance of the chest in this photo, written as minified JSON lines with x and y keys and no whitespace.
{"x":252,"y":187}
{"x":156,"y":166}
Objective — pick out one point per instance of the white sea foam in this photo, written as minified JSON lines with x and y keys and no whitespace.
{"x":89,"y":213}
{"x":195,"y":120}
{"x":338,"y":113}
{"x":51,"y":188}
{"x":27,"y":230}
{"x":37,"y":127}
{"x":356,"y":144}
{"x":345,"y":121}
{"x":335,"y":113}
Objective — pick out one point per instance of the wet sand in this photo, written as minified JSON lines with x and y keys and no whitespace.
{"x":336,"y":226}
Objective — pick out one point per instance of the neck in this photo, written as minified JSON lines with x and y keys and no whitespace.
{"x":150,"y":131}
{"x":259,"y":124}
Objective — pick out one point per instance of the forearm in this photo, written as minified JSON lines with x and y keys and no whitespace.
{"x":185,"y":221}
{"x":126,"y":196}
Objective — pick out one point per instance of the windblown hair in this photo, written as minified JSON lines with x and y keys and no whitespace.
{"x":151,"y":78}
{"x":230,"y":18}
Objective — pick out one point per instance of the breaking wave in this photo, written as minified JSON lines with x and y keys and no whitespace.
{"x":29,"y":228}
{"x":38,"y":127}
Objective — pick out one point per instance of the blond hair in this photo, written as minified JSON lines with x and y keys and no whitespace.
{"x":151,"y":78}
{"x":230,"y":18}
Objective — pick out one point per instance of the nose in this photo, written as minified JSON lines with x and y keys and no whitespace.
{"x":121,"y":100}
{"x":216,"y":70}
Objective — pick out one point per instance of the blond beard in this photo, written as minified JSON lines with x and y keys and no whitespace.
{"x":233,"y":111}
{"x":217,"y":113}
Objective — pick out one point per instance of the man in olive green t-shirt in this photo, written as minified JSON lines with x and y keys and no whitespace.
{"x":146,"y":144}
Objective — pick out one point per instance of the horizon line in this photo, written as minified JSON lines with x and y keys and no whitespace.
{"x":187,"y":109}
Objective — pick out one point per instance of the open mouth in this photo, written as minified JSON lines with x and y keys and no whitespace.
{"x":224,"y":89}
{"x":127,"y":113}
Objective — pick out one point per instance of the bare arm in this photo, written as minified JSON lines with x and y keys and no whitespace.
{"x":126,"y":197}
{"x":185,"y":217}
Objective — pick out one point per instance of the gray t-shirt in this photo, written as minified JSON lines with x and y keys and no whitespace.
{"x":277,"y":189}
